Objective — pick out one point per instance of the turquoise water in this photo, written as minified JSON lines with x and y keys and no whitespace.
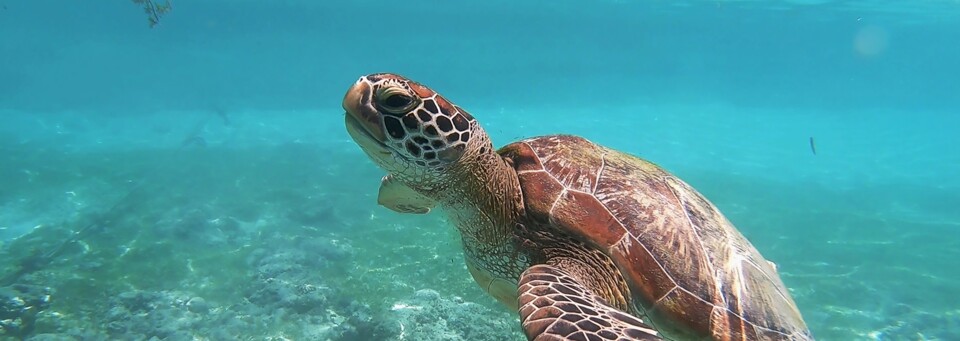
{"x":194,"y":180}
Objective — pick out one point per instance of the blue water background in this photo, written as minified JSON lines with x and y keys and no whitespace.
{"x":726,"y":94}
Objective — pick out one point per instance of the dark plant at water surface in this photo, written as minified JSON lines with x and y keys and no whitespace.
{"x":154,"y":10}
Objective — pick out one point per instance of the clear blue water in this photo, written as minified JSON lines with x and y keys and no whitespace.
{"x":95,"y":104}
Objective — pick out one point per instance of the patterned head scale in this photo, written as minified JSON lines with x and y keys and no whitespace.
{"x":412,"y":121}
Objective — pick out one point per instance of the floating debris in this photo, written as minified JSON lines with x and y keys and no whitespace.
{"x":154,"y":10}
{"x":813,"y":146}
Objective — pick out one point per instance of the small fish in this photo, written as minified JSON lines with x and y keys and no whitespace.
{"x":813,"y":146}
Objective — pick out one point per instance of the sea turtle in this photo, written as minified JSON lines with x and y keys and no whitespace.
{"x":585,"y":242}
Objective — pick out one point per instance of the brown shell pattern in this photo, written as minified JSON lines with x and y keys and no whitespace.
{"x":691,"y":272}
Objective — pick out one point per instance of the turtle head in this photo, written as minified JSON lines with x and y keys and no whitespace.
{"x":408,"y":129}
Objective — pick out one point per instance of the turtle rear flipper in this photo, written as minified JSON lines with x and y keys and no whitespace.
{"x":400,"y":198}
{"x":555,"y":306}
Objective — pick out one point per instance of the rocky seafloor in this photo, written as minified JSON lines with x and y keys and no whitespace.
{"x":258,"y":252}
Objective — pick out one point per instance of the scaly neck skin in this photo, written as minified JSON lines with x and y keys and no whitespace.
{"x":481,"y":194}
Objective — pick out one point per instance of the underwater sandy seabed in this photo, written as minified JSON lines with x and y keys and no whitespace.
{"x":267,"y":228}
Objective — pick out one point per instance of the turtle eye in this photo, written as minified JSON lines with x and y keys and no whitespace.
{"x":395,"y":101}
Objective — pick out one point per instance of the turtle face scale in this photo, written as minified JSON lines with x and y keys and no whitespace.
{"x":405,"y":127}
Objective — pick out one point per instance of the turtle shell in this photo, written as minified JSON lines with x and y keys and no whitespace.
{"x":690,"y":272}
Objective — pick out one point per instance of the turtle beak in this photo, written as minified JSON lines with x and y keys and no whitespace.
{"x":360,"y":109}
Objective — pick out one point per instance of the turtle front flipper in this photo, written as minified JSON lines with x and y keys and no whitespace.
{"x":555,"y":306}
{"x":400,"y":198}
